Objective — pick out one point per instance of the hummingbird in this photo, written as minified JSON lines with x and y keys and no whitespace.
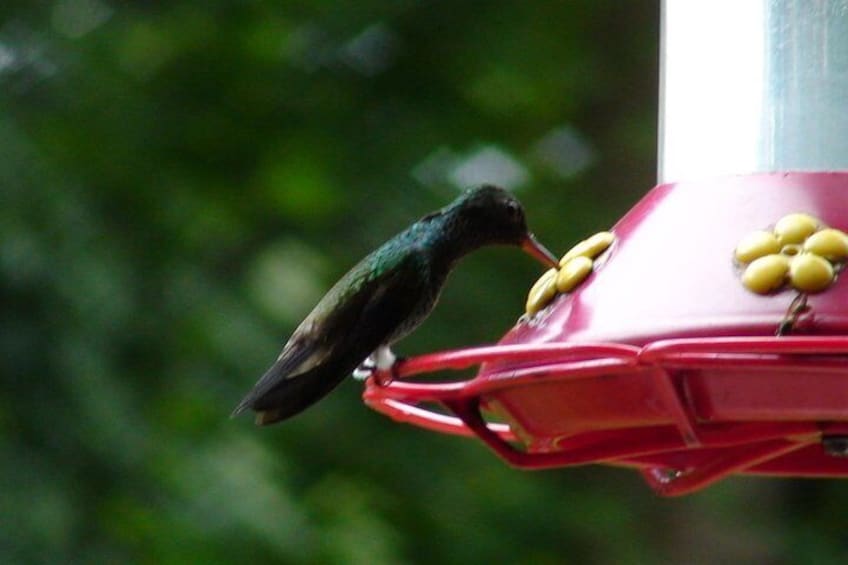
{"x":382,"y":299}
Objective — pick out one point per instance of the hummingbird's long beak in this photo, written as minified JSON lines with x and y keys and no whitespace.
{"x":538,"y":251}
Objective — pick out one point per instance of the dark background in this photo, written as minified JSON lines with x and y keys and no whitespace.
{"x":181,"y":181}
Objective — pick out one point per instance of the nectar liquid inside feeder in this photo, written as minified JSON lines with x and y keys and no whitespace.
{"x":705,"y":334}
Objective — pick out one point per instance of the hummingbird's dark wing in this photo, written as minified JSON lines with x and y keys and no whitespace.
{"x":370,"y":306}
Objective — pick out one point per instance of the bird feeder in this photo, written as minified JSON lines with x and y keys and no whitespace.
{"x":706,"y":333}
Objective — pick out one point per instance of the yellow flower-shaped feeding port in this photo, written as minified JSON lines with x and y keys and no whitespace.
{"x":799,"y":251}
{"x":542,"y":292}
{"x":573,"y":269}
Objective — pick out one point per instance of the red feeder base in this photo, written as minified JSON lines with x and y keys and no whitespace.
{"x":662,"y":361}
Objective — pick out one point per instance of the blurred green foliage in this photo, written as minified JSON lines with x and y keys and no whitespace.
{"x":180,"y":182}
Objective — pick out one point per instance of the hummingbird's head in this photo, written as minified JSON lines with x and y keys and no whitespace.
{"x":490,"y":215}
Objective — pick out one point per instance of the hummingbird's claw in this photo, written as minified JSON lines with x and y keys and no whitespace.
{"x":381,"y":365}
{"x":384,"y":377}
{"x":384,"y":358}
{"x":385,"y":362}
{"x":366,"y":369}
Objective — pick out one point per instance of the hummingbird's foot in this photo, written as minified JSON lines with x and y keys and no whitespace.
{"x":384,"y":365}
{"x":384,"y":359}
{"x":384,"y":377}
{"x":365,"y":369}
{"x":381,"y":365}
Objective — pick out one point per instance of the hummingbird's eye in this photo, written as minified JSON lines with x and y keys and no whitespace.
{"x":513,"y":209}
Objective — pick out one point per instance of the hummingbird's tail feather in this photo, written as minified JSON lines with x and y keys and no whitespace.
{"x":291,"y":396}
{"x":267,"y":417}
{"x":293,"y":361}
{"x":242,"y":406}
{"x":279,"y":395}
